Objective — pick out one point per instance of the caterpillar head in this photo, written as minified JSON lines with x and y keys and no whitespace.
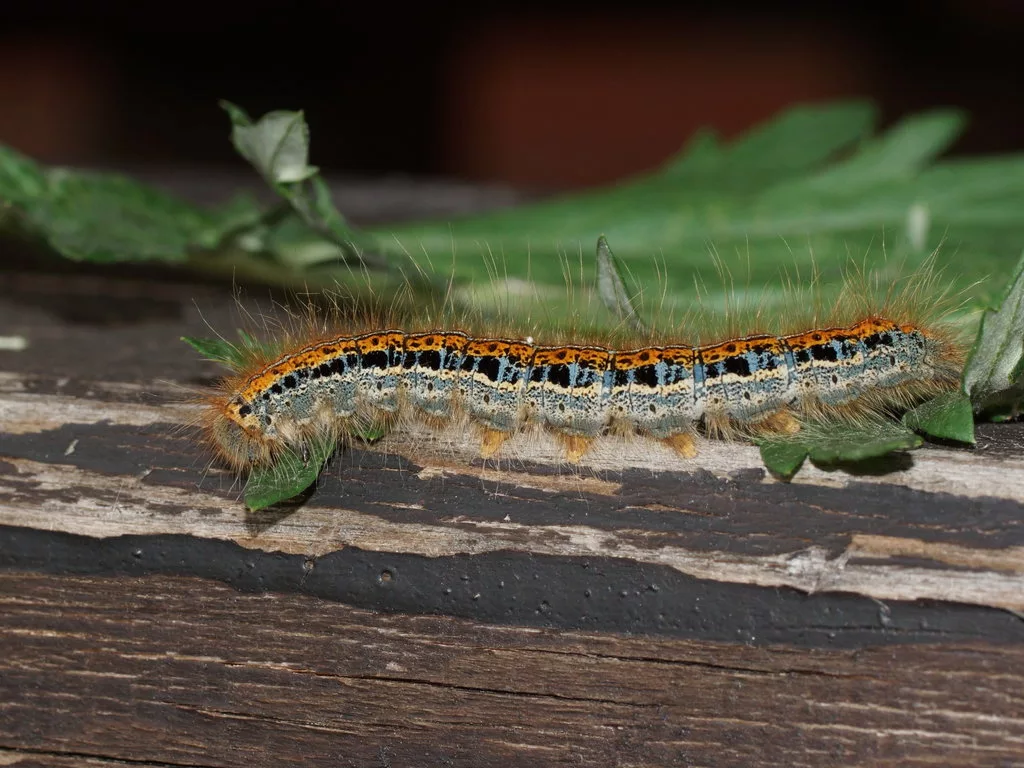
{"x":239,"y":445}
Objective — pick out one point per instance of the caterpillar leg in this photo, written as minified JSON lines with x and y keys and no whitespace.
{"x":783,"y":422}
{"x":683,"y":444}
{"x":575,"y":446}
{"x":492,"y":442}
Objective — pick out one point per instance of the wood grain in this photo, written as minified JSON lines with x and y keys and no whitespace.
{"x":395,"y":497}
{"x":181,"y":671}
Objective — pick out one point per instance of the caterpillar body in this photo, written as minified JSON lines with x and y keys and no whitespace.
{"x":331,"y":386}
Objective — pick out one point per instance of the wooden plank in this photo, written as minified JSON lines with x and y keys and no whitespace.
{"x":182,"y":671}
{"x":112,"y":467}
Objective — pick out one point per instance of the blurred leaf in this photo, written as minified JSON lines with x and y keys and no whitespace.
{"x":277,"y":145}
{"x":994,"y":375}
{"x":106,"y":217}
{"x":901,"y":152}
{"x":788,"y":145}
{"x":109,"y":218}
{"x":21,"y":180}
{"x":612,"y":289}
{"x":809,"y":186}
{"x":812,"y":183}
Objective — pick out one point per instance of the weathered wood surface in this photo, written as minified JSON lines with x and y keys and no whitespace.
{"x":181,"y":671}
{"x":422,"y":607}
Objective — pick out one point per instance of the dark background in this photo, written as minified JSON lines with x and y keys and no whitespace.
{"x":544,"y":95}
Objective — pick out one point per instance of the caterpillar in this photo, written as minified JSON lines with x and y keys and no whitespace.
{"x":334,"y":384}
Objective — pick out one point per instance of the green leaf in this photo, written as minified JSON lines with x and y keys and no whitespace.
{"x":860,"y":442}
{"x":811,"y":184}
{"x":218,"y":350}
{"x":900,"y":153}
{"x":807,"y":188}
{"x":612,"y":289}
{"x":21,"y":180}
{"x":277,"y":145}
{"x":293,"y":473}
{"x":289,"y":476}
{"x":800,"y":139}
{"x":324,"y":211}
{"x":994,"y":375}
{"x":946,"y":417}
{"x":234,"y":356}
{"x":786,"y":146}
{"x":107,"y":217}
{"x":783,"y":458}
{"x":702,"y":153}
{"x":832,"y":444}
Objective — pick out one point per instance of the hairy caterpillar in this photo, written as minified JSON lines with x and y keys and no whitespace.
{"x":327,"y":385}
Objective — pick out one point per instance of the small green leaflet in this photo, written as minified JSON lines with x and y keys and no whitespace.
{"x":783,"y":458}
{"x":234,"y":356}
{"x":277,"y":146}
{"x":946,"y":417}
{"x":293,"y":474}
{"x":217,"y":350}
{"x":831,"y":444}
{"x":290,"y":475}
